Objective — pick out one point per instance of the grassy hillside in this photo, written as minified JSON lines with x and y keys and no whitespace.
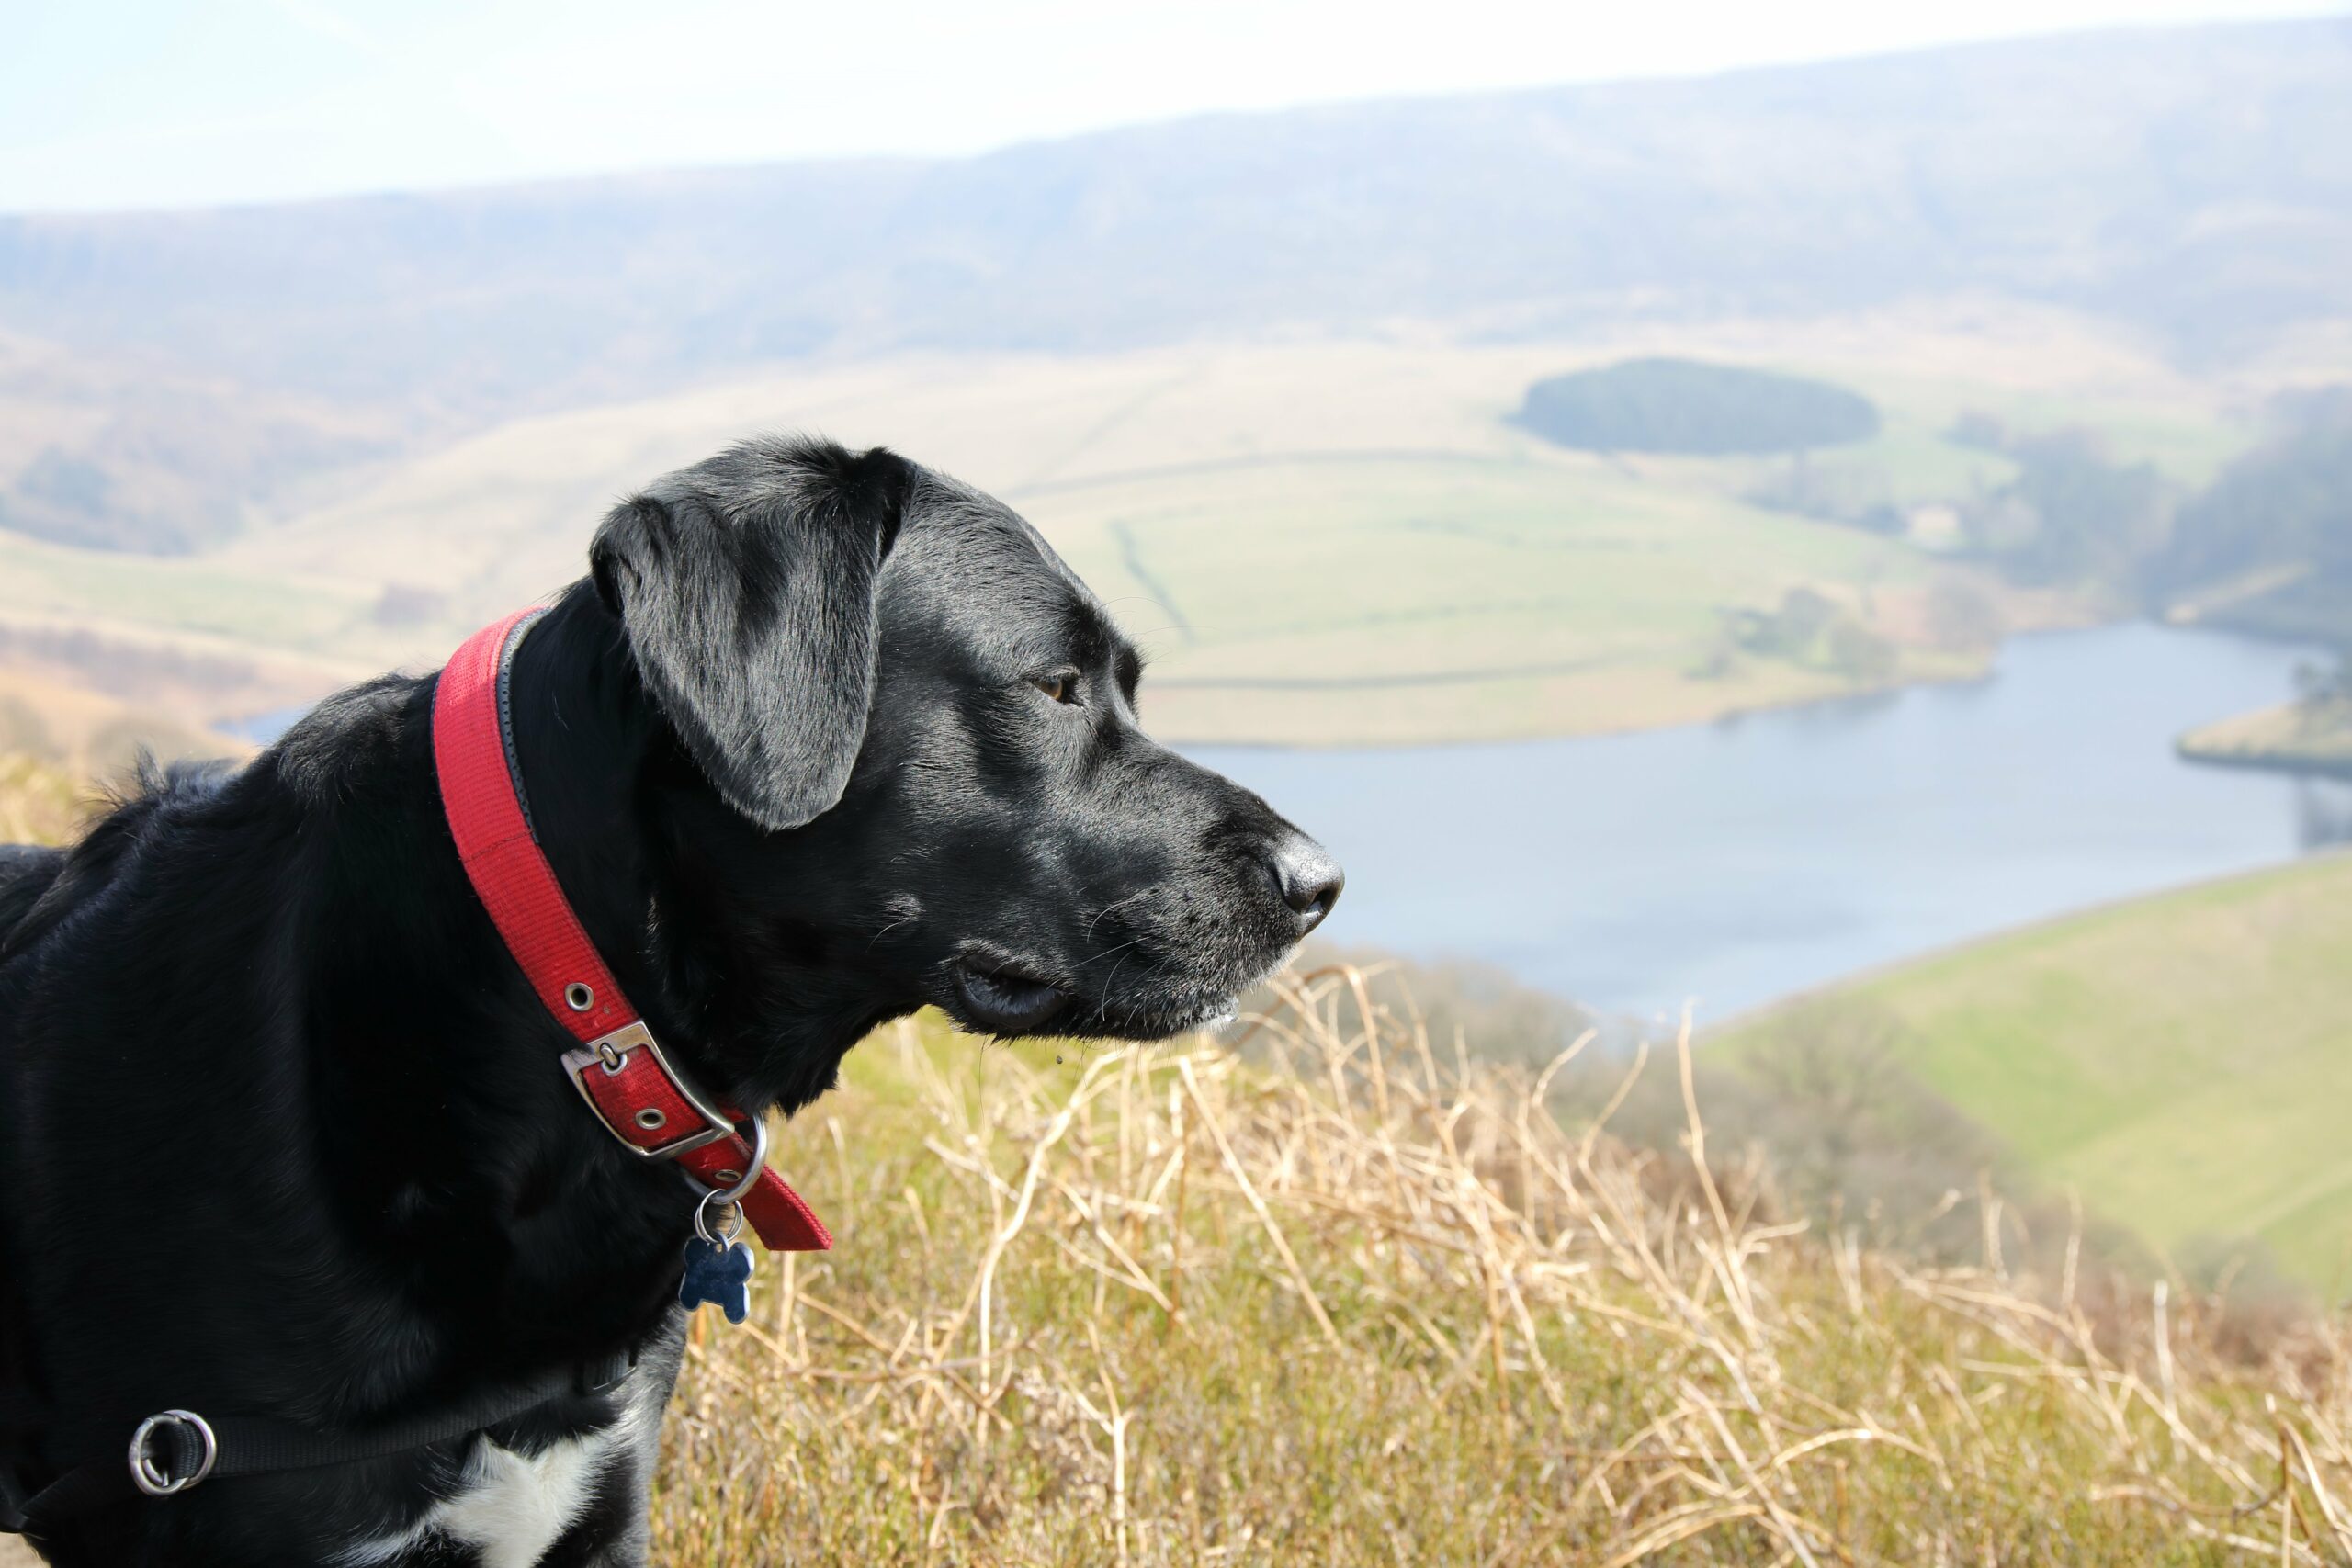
{"x":1110,"y":1305}
{"x":1334,"y":1301}
{"x":1256,"y":373}
{"x":1318,"y":542}
{"x":2182,"y":1061}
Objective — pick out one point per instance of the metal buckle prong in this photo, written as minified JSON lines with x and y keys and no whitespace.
{"x":147,"y":1477}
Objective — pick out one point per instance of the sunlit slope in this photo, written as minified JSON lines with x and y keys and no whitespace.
{"x":1318,"y":542}
{"x":1215,"y":1292}
{"x":1397,"y":599}
{"x":220,"y":599}
{"x":2183,"y":1061}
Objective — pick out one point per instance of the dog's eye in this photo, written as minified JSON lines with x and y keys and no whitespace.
{"x":1060,"y":685}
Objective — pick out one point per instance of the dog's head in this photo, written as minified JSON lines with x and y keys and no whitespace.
{"x":909,"y":766}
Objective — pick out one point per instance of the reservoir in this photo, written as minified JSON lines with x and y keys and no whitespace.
{"x":1733,"y":863}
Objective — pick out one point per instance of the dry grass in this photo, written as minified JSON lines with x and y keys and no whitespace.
{"x":38,"y":803}
{"x":1343,"y":1297}
{"x":1352,"y":1300}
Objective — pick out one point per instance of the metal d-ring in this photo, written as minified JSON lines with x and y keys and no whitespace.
{"x":730,"y":1198}
{"x":148,"y":1476}
{"x":751,"y":1168}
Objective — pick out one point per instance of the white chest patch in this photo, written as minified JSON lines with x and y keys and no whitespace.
{"x":513,"y":1508}
{"x":510,"y":1508}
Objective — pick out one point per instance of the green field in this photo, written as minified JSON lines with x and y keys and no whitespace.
{"x":1417,"y":598}
{"x":1319,"y":542}
{"x":2183,"y":1061}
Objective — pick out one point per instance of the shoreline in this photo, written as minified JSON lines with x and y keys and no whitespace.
{"x":1981,"y":670}
{"x":1731,"y":714}
{"x":1871,"y":974}
{"x":2305,"y":739}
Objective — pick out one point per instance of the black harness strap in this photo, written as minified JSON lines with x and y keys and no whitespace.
{"x":244,"y":1445}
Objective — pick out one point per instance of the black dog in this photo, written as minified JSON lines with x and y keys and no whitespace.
{"x":822,"y":738}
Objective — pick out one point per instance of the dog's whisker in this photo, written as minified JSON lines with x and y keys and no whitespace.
{"x":1106,"y":987}
{"x":1115,"y":904}
{"x":1106,"y":953}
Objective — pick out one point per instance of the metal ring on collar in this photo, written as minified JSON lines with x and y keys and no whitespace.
{"x":758,"y":1163}
{"x":729,"y":1199}
{"x":153,"y":1481}
{"x":727,"y":1230}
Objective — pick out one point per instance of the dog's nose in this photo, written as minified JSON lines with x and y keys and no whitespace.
{"x":1309,"y":879}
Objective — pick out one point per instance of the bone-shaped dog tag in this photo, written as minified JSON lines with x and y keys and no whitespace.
{"x":719,"y":1275}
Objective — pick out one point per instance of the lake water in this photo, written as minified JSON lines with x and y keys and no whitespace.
{"x":1735,"y":862}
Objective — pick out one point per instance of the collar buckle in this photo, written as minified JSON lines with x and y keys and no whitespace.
{"x":638,"y":1095}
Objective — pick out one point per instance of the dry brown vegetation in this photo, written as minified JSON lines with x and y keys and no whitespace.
{"x":38,"y":803}
{"x":1364,"y":1301}
{"x":1346,"y":1295}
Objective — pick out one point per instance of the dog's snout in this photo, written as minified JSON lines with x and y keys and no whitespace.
{"x":1307,"y":877}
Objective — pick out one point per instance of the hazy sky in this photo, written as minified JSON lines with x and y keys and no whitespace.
{"x":133,"y":103}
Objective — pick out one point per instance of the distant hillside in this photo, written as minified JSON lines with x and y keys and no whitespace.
{"x":2182,"y":1061}
{"x":2268,"y":547}
{"x":2197,"y":183}
{"x":357,"y":427}
{"x":66,"y":725}
{"x":1469,"y":580}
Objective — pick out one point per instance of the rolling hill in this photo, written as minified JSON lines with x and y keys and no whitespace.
{"x":248,"y":454}
{"x":2181,"y":1061}
{"x":2191,"y":186}
{"x":2197,"y":181}
{"x":1417,"y":568}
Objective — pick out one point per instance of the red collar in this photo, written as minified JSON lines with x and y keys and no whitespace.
{"x":619,"y":1070}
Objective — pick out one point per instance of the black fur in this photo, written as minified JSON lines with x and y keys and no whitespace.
{"x":281,"y":1128}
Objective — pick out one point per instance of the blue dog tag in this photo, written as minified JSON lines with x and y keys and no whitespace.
{"x":719,"y":1275}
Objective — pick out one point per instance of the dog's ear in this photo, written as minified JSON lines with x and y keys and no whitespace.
{"x":746,"y":586}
